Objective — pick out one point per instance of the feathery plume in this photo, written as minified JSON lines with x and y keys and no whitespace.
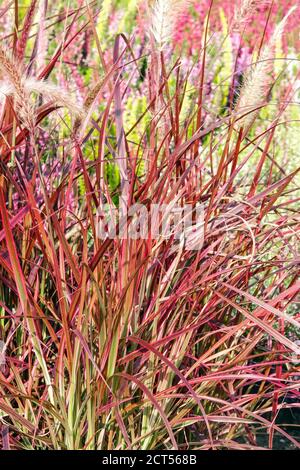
{"x":245,"y":11}
{"x":14,"y":75}
{"x":21,"y":88}
{"x":164,"y":14}
{"x":54,"y":93}
{"x":6,"y":89}
{"x":258,"y":81}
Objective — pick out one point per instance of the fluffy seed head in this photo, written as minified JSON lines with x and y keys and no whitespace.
{"x":55,"y":93}
{"x":14,"y":86}
{"x":20,"y":87}
{"x":258,"y":81}
{"x":164,"y":14}
{"x":245,"y":11}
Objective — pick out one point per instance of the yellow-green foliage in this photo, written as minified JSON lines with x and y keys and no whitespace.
{"x":23,"y":9}
{"x":134,"y":108}
{"x":224,"y":74}
{"x":112,"y":175}
{"x":288,"y":139}
{"x":127,"y":20}
{"x":102,"y":24}
{"x":188,"y":106}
